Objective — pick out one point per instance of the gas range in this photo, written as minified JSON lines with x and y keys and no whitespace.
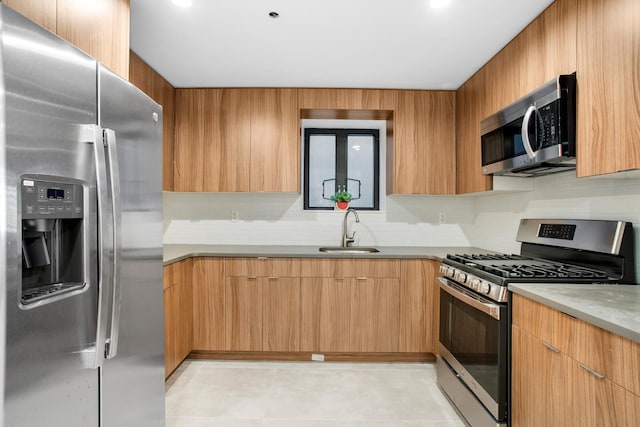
{"x":554,"y":251}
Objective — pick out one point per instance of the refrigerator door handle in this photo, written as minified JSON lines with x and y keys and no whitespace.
{"x":105,"y":239}
{"x":111,"y":344}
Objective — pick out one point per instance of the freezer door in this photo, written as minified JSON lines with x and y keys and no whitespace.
{"x":133,"y":376}
{"x":49,"y":100}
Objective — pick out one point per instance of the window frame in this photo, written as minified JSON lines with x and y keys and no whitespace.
{"x":342,"y":135}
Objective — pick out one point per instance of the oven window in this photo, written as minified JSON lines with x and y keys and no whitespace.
{"x":477,"y":341}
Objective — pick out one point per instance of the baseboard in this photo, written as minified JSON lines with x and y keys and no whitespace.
{"x":307,"y":356}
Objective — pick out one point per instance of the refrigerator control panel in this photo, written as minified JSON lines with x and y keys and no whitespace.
{"x":49,"y":199}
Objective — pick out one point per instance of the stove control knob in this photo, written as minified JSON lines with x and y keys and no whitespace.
{"x":443,"y":269}
{"x":485,"y":288}
{"x":461,"y":277}
{"x":451,"y":272}
{"x":474,"y":284}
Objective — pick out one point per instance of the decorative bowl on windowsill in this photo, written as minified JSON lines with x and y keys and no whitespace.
{"x":341,"y":199}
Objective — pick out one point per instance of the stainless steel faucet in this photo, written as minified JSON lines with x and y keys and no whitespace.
{"x":346,"y":239}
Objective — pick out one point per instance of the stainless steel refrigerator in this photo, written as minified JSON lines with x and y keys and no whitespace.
{"x":81,"y":303}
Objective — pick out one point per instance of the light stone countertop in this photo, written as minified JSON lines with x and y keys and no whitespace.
{"x":174,"y":253}
{"x":614,"y":308}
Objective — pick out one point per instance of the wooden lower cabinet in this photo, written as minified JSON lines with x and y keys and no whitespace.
{"x":563,"y":383}
{"x":280,"y":314}
{"x":324,"y":320}
{"x":374,"y":317}
{"x":243,"y":314}
{"x":208,"y":304}
{"x":419,"y":307}
{"x":178,"y":308}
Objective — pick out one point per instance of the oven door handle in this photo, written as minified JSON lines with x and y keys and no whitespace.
{"x":467,"y":297}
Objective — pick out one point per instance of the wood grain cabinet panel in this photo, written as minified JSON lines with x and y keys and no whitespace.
{"x":590,"y":380}
{"x":243,"y":314}
{"x":156,"y":87}
{"x":213,"y":140}
{"x":178,"y":306}
{"x":417,"y":311}
{"x":41,"y":12}
{"x":347,"y":99}
{"x":608,"y":122}
{"x":208,"y":304}
{"x":263,"y":267}
{"x":100,"y":28}
{"x":421,"y":156}
{"x":539,"y":389}
{"x":374,"y":316}
{"x":325,"y":309}
{"x":281,"y":314}
{"x":275,"y":140}
{"x":543,"y":50}
{"x":340,"y":268}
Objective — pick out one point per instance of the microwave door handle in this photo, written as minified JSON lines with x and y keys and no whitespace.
{"x":525,"y":131}
{"x":111,"y":344}
{"x":492,"y":310}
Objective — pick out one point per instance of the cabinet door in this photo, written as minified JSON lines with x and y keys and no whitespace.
{"x":608,"y":122}
{"x":347,"y":99}
{"x":417,"y":287}
{"x":41,"y":12}
{"x":243,"y":314}
{"x":423,"y":147}
{"x":325,"y":311}
{"x":208,"y":304}
{"x":275,"y":140}
{"x":281,"y":314}
{"x":191,"y":130}
{"x":541,"y":393}
{"x":102,"y":32}
{"x":154,"y":85}
{"x":374,"y":317}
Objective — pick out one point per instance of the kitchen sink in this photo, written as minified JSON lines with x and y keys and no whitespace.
{"x":349,"y":250}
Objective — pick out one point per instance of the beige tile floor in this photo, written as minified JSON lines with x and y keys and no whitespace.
{"x":306,"y":394}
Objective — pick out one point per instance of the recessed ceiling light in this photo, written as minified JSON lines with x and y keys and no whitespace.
{"x":274,"y":15}
{"x":182,"y":3}
{"x":439,"y":4}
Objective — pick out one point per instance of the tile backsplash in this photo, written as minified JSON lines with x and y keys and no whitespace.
{"x":488,"y":221}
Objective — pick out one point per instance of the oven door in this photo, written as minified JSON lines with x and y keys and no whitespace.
{"x":473,"y":341}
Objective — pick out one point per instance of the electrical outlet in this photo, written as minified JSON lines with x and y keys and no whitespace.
{"x":317,"y":357}
{"x":442,"y":218}
{"x":235,"y":215}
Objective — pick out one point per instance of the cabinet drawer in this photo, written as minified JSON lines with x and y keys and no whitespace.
{"x":262,"y":267}
{"x":331,"y":267}
{"x":551,"y":326}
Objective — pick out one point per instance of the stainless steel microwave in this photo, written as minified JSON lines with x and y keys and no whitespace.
{"x":536,"y":135}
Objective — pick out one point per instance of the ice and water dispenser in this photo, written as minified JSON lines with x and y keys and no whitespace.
{"x":53,"y":240}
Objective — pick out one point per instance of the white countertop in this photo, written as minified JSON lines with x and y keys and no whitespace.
{"x":615,"y":308}
{"x":173,"y":253}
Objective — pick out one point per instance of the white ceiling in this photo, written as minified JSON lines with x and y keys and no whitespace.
{"x":402,"y":44}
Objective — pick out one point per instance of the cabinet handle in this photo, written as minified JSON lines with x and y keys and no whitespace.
{"x":361,"y":278}
{"x":273,"y":277}
{"x":263,"y":257}
{"x":341,"y":279}
{"x":591,"y":371}
{"x":252,"y":277}
{"x":550,"y":347}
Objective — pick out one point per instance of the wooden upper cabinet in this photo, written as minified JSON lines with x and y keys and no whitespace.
{"x":543,"y":50}
{"x":608,"y":86}
{"x":275,"y":140}
{"x":236,"y":140}
{"x":98,"y":27}
{"x":41,"y":12}
{"x":154,"y":85}
{"x":347,"y":99}
{"x":421,"y":156}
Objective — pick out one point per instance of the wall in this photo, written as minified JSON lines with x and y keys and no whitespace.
{"x":487,"y":220}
